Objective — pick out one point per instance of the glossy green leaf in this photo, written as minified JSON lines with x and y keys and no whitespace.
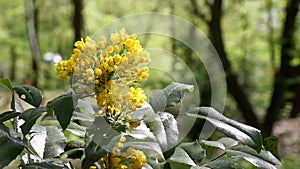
{"x":76,"y":129}
{"x":63,"y":108}
{"x":181,"y":159}
{"x":29,"y":94}
{"x":7,"y":84}
{"x":263,"y":155}
{"x":158,"y":100}
{"x":221,"y":164}
{"x":10,"y":147}
{"x":171,"y":129}
{"x":241,"y":132}
{"x":174,"y":92}
{"x":8,"y":115}
{"x":256,"y":161}
{"x":93,"y":152}
{"x":208,"y":143}
{"x":194,"y":150}
{"x":162,"y":125}
{"x":154,"y":163}
{"x":228,"y":142}
{"x":30,"y":116}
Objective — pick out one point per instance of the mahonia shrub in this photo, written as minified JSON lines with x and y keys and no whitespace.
{"x":107,"y":122}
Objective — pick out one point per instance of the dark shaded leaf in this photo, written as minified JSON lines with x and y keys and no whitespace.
{"x":30,"y":116}
{"x":46,"y":164}
{"x":174,"y":92}
{"x":241,"y":132}
{"x":103,"y":139}
{"x":10,"y":147}
{"x":63,"y":108}
{"x":8,"y":115}
{"x":271,"y":144}
{"x":29,"y":94}
{"x":194,"y":150}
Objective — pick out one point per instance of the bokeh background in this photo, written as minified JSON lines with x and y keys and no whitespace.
{"x":257,"y":42}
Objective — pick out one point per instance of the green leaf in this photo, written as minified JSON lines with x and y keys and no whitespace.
{"x":158,"y":100}
{"x":228,"y":142}
{"x":221,"y":164}
{"x":174,"y":93}
{"x":181,"y":159}
{"x":46,"y":164}
{"x":29,"y":94}
{"x":271,"y":144}
{"x":194,"y":150}
{"x":241,"y":132}
{"x":76,"y":129}
{"x":162,"y":125}
{"x":10,"y":147}
{"x":30,"y":116}
{"x":8,"y":115}
{"x":171,"y":129}
{"x":93,"y":152}
{"x":7,"y":84}
{"x":264,"y":155}
{"x":216,"y":144}
{"x":252,"y":159}
{"x":63,"y":108}
{"x":154,"y":163}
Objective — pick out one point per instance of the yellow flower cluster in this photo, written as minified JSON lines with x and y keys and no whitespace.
{"x":131,"y":159}
{"x":107,"y":70}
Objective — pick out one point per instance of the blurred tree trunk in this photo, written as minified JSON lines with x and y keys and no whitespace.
{"x":13,"y":56}
{"x":32,"y":24}
{"x":78,"y":19}
{"x":280,"y":81}
{"x":216,"y":37}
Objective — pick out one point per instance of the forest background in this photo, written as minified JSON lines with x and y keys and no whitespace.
{"x":257,"y":42}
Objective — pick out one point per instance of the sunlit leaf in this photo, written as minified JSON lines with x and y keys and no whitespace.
{"x":241,"y":132}
{"x":175,"y":92}
{"x":158,"y":100}
{"x":181,"y":159}
{"x":55,"y":142}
